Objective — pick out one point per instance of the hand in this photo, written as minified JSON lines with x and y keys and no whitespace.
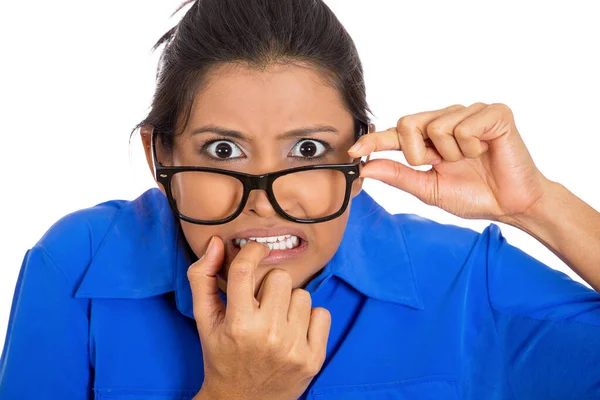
{"x":480,"y":165}
{"x":269,"y":347}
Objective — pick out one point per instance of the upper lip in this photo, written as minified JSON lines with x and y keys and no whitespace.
{"x":266,"y":232}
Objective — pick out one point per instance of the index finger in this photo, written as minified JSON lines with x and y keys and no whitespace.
{"x":408,"y":127}
{"x":241,"y":278}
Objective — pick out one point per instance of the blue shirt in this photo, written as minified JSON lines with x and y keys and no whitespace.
{"x":420,"y":310}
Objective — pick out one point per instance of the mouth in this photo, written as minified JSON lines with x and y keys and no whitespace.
{"x":285,"y":244}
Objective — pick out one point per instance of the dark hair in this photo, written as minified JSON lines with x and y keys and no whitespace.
{"x":257,"y":33}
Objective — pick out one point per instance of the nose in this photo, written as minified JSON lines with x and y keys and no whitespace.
{"x":259,"y":204}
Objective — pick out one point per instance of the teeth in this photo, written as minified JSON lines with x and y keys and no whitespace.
{"x":283,"y":242}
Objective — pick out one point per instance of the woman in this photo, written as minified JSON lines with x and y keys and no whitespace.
{"x":260,"y":270}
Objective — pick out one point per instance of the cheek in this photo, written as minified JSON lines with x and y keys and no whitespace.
{"x":198,"y":236}
{"x":328,"y":236}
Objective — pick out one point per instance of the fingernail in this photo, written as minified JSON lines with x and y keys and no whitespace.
{"x":355,"y":148}
{"x":210,"y":245}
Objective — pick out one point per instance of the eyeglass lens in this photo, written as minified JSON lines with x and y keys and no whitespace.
{"x":211,"y":196}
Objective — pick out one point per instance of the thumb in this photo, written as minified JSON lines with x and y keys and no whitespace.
{"x":418,"y":183}
{"x":208,"y":306}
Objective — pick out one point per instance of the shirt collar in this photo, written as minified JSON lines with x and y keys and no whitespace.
{"x":144,"y":254}
{"x":373,"y":256}
{"x":139,"y":253}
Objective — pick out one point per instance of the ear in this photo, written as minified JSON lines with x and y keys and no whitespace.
{"x":357,"y":187}
{"x":146,"y":135}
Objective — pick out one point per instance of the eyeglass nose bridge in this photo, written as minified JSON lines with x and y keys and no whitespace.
{"x":261,"y":182}
{"x":257,"y":182}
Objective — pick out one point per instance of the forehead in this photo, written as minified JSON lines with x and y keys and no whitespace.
{"x":272,"y":100}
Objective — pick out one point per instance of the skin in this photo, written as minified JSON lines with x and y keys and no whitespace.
{"x":481,"y":168}
{"x":262,"y":105}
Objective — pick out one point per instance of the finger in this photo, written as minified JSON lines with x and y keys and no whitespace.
{"x":388,"y":140}
{"x":418,"y":183}
{"x":445,"y":144}
{"x":416,"y":150}
{"x":300,"y":310}
{"x":412,"y":132}
{"x":489,"y":123}
{"x":442,"y":133}
{"x":241,"y":279}
{"x":376,"y":141}
{"x":275,"y":294}
{"x":318,"y":330}
{"x":208,"y":306}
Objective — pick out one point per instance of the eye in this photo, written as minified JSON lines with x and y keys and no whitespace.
{"x":309,"y":148}
{"x":223,"y":149}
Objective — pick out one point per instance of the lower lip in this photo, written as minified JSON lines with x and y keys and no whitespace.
{"x":275,"y":256}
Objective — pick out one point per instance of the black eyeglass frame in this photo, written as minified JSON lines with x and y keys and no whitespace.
{"x":251,"y":182}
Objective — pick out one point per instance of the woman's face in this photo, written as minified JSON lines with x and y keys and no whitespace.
{"x":262,"y":106}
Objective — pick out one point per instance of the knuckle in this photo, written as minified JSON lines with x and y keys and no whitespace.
{"x":237,"y":331}
{"x":503,"y":108}
{"x":192,"y":273}
{"x":435,"y":130}
{"x":478,"y":104}
{"x":462,"y":132}
{"x":241,"y":267}
{"x":282,"y":277}
{"x":296,"y":358}
{"x":311,"y":369}
{"x":273,"y":338}
{"x":412,"y":158}
{"x":302,"y":296}
{"x":405,"y":124}
{"x":457,"y":107}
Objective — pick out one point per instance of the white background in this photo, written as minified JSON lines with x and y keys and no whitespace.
{"x":76,"y":76}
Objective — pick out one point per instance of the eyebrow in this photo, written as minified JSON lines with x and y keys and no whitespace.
{"x":304,"y":131}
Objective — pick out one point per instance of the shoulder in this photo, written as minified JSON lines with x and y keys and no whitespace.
{"x":72,"y":241}
{"x":436,"y":254}
{"x":428,"y":238}
{"x":444,"y":255}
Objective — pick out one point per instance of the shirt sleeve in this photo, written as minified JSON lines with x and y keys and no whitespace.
{"x":46,"y":353}
{"x":547,"y":325}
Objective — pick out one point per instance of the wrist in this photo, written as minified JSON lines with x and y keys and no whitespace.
{"x":548,"y":219}
{"x":542,"y":211}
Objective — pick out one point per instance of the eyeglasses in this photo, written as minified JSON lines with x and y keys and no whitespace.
{"x":213,"y":196}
